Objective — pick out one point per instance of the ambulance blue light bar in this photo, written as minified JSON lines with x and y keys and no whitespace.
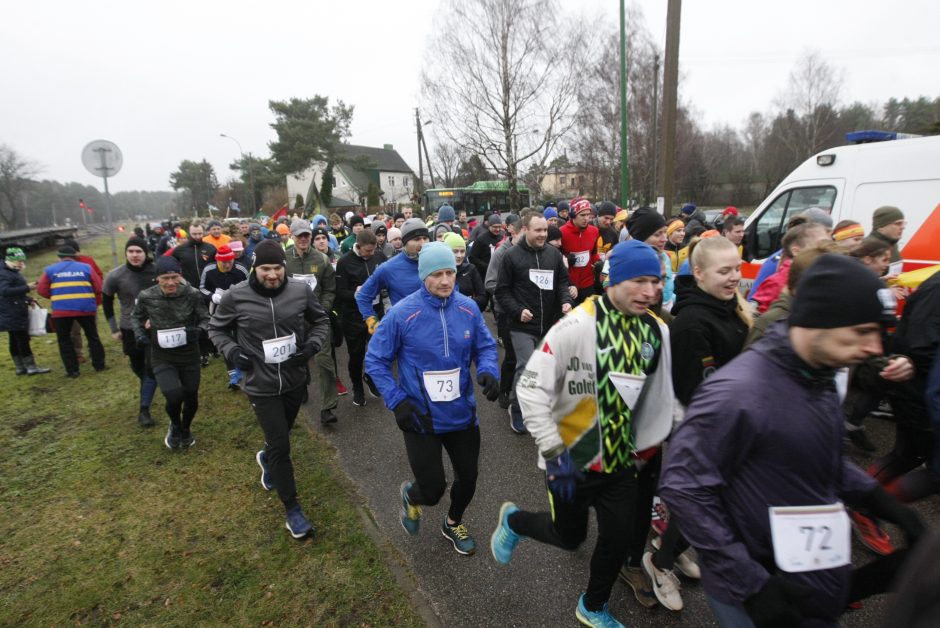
{"x":865,"y":137}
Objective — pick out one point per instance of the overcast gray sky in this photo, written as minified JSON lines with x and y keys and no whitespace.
{"x":163,"y":79}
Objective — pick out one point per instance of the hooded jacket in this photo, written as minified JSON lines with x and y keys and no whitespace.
{"x":516,"y":289}
{"x":184,"y":308}
{"x":353,"y":271}
{"x":426,"y":333}
{"x":193,"y":257}
{"x":256,"y":314}
{"x":470,"y":284}
{"x":707,"y":333}
{"x":125,"y":282}
{"x":399,"y":276}
{"x":745,"y":445}
{"x":14,"y":302}
{"x":582,"y":244}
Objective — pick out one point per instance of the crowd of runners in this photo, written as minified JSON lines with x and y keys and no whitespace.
{"x":658,"y":391}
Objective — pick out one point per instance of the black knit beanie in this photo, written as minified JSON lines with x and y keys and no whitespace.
{"x":838,"y":291}
{"x":645,"y":222}
{"x":268,"y":252}
{"x":136,"y":241}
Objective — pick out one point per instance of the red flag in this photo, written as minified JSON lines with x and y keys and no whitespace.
{"x":281,"y":213}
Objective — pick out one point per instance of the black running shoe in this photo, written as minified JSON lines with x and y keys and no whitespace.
{"x":373,"y":390}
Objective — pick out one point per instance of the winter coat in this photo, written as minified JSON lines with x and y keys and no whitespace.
{"x":470,"y":284}
{"x":580,"y":245}
{"x":184,"y":308}
{"x":14,"y":302}
{"x":492,"y":272}
{"x":125,"y":282}
{"x":425,"y":333}
{"x":256,"y":315}
{"x":880,"y":237}
{"x":314,"y":263}
{"x":516,"y":289}
{"x":193,"y":257}
{"x":778,"y":310}
{"x":73,"y":287}
{"x":399,"y":276}
{"x":707,"y":333}
{"x":559,"y":401}
{"x":482,"y":250}
{"x":353,"y":271}
{"x":766,"y":430}
{"x":213,"y":279}
{"x":771,"y":287}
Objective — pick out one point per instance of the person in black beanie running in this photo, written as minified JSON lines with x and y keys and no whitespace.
{"x":169,"y":318}
{"x":259,"y":326}
{"x":126,"y":282}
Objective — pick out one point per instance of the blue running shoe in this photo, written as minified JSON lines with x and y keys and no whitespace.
{"x":267,"y":482}
{"x":459,"y":536}
{"x":516,"y":424}
{"x":410,"y":514}
{"x":598,"y":619}
{"x":297,"y":523}
{"x":504,"y":540}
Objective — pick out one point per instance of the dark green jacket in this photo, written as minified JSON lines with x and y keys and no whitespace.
{"x":185,"y":308}
{"x":314,"y":263}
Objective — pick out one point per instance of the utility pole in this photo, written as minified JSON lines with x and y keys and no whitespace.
{"x":655,"y":133}
{"x":670,"y":101}
{"x":624,"y":132}
{"x":420,"y":162}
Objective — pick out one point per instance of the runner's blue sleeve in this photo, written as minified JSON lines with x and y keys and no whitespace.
{"x":383,"y":349}
{"x":368,"y":292}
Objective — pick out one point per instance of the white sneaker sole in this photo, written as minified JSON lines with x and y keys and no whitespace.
{"x":258,"y":460}
{"x":457,"y":549}
{"x":294,"y":534}
{"x":677,"y":606}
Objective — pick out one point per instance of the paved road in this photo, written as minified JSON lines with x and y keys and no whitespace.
{"x":542,"y":584}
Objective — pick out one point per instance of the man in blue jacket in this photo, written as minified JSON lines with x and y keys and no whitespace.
{"x":399,"y":275}
{"x":435,"y":334}
{"x":756,"y":473}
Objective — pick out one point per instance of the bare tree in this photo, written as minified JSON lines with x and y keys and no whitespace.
{"x":497,"y":86}
{"x":447,"y":162}
{"x":15,"y":174}
{"x":812,"y":94}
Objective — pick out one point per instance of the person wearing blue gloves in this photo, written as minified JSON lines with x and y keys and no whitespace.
{"x":597,"y":390}
{"x":435,"y":334}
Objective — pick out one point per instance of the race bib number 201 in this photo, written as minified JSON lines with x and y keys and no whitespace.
{"x":277,"y":350}
{"x":810,"y":538}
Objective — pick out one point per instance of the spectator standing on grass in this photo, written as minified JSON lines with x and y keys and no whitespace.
{"x":169,"y":319}
{"x":436,"y":335}
{"x":126,"y":282}
{"x":271,"y":326}
{"x":76,"y":330}
{"x":14,"y":311}
{"x":74,"y":289}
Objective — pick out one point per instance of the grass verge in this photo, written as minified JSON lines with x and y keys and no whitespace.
{"x":102,"y":524}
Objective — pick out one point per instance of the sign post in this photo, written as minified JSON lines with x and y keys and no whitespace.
{"x":103,"y":159}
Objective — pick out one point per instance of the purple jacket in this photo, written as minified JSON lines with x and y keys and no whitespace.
{"x":765,"y":430}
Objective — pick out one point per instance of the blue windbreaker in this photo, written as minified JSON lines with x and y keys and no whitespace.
{"x":425,"y":333}
{"x":399,"y":276}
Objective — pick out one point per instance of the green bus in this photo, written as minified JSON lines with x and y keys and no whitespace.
{"x":480,"y":197}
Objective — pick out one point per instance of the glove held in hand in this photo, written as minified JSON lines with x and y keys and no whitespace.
{"x":490,"y":386}
{"x":562,"y":476}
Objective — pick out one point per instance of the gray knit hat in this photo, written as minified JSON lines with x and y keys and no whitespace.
{"x":413,"y":228}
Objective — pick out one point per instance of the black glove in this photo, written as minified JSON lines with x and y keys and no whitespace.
{"x":142,"y":341}
{"x":406,"y":415}
{"x":883,"y":506}
{"x":571,"y":260}
{"x":242,"y":361}
{"x":490,"y":386}
{"x":192,"y":334}
{"x":776,"y":605}
{"x":300,"y":358}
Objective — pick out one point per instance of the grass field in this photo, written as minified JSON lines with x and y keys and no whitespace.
{"x":102,"y":524}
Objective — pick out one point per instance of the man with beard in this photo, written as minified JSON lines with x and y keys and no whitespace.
{"x":270,"y":327}
{"x":126,"y":282}
{"x":193,"y":256}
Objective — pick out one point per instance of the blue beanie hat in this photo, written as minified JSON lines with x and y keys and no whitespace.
{"x":433,"y":257}
{"x":446,"y":214}
{"x":550,"y":212}
{"x":632,"y":259}
{"x":688,"y":209}
{"x":167,"y":265}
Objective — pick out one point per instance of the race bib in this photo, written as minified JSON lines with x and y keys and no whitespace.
{"x":442,"y":385}
{"x":581,"y":259}
{"x":310,"y":280}
{"x":171,"y":338}
{"x":629,"y":386}
{"x":810,"y":538}
{"x":895,"y":268}
{"x":277,"y":350}
{"x":544,"y":279}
